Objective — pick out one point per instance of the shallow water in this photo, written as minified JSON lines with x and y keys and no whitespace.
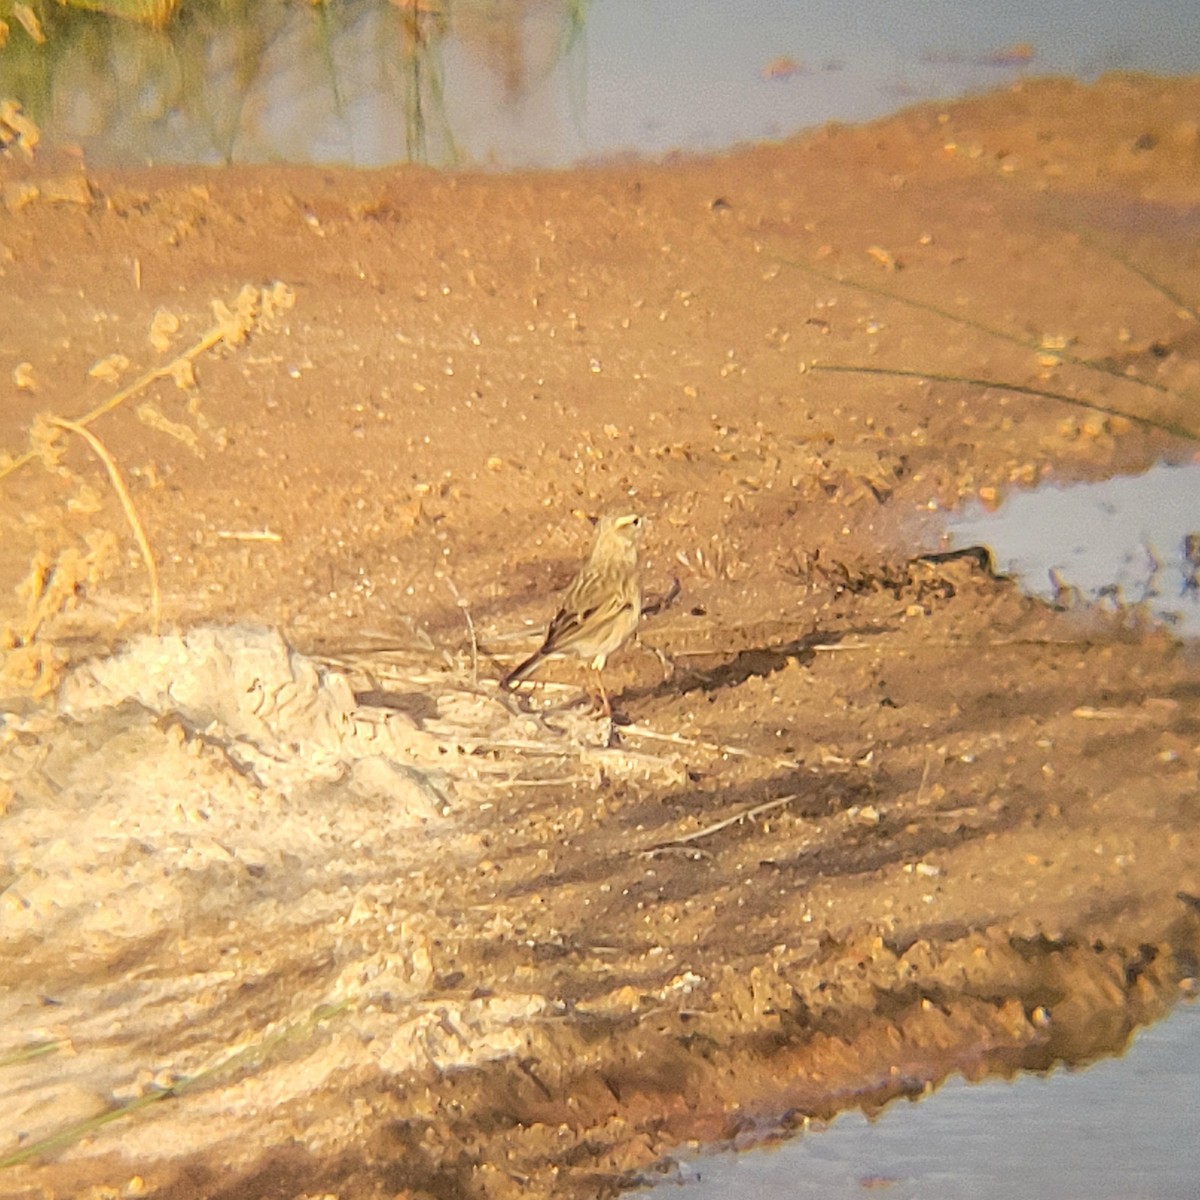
{"x":528,"y":84}
{"x":1119,"y":543}
{"x":1121,"y":1129}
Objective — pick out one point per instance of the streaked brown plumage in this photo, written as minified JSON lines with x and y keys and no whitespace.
{"x":601,"y":608}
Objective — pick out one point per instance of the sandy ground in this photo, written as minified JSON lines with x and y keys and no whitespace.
{"x":295,"y":904}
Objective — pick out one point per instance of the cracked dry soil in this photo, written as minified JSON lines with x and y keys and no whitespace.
{"x":872,"y":820}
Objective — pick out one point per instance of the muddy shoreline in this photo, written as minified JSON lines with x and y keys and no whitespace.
{"x":868,"y":819}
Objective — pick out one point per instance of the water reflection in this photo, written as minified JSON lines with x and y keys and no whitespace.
{"x":517,"y":83}
{"x":361,"y":82}
{"x":1122,"y":1128}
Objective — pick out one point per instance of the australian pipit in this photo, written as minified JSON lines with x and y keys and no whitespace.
{"x":600,"y":609}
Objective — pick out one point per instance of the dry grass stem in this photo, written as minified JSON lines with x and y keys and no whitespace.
{"x":746,"y":814}
{"x":677,"y":739}
{"x":466,"y":612}
{"x":249,"y":535}
{"x":131,"y":513}
{"x":253,"y":308}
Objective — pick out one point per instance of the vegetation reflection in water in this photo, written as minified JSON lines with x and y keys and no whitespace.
{"x":353,"y":81}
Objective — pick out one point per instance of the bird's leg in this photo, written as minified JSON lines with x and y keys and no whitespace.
{"x":605,"y":704}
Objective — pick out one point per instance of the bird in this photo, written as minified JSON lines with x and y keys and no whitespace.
{"x":601,"y":608}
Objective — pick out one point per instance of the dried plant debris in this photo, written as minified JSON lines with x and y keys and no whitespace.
{"x":59,"y":577}
{"x":253,"y":309}
{"x":56,"y":582}
{"x":17,"y":131}
{"x":928,"y":576}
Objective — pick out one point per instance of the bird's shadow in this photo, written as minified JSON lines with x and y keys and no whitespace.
{"x":752,"y":662}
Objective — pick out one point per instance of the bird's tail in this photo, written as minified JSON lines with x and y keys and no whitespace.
{"x":519,"y":672}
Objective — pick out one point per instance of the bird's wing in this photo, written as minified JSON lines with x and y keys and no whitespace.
{"x":571,"y":620}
